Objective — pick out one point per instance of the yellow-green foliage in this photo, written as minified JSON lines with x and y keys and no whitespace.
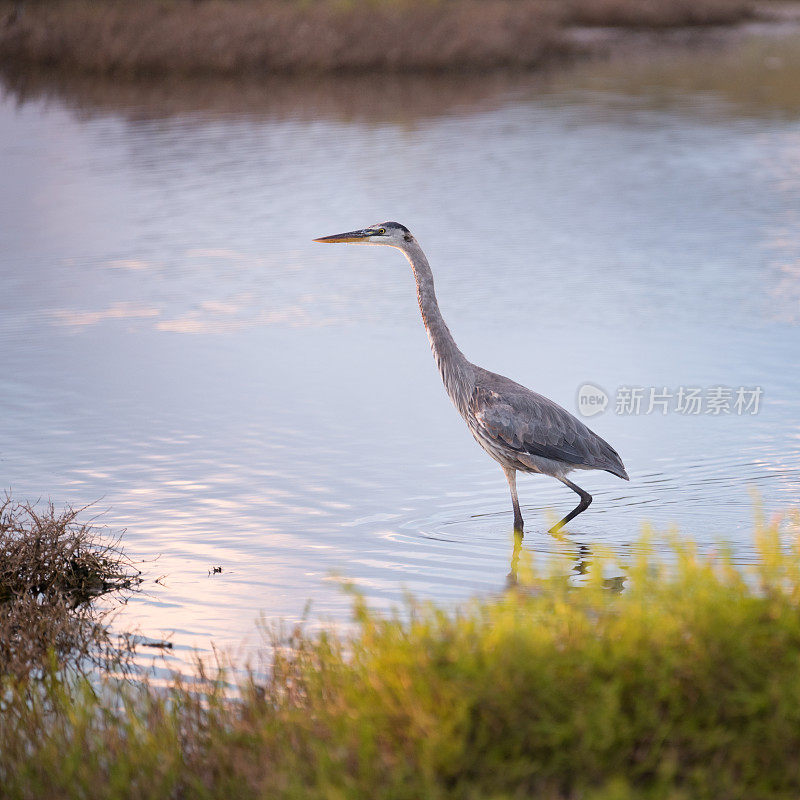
{"x":686,"y":685}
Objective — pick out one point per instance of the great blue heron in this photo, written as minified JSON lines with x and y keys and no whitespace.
{"x":518,"y":428}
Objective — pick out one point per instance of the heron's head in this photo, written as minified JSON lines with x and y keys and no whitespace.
{"x":392,"y":234}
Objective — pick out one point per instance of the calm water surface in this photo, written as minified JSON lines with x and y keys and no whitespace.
{"x":178,"y":352}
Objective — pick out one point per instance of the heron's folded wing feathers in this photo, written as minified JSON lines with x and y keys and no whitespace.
{"x":530,"y":423}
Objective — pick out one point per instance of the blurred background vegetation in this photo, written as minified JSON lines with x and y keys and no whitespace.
{"x":278,"y":36}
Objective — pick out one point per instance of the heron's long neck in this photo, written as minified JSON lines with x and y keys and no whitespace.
{"x":456,"y":371}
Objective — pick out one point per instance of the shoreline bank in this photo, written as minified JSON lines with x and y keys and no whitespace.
{"x":268,"y":37}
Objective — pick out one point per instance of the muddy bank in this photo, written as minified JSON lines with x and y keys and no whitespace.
{"x":773,"y":20}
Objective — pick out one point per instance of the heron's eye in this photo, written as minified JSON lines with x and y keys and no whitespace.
{"x":381,"y":231}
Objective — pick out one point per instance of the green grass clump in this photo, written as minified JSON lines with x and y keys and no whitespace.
{"x":685,"y":685}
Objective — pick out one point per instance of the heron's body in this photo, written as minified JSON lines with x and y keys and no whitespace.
{"x":520,"y":429}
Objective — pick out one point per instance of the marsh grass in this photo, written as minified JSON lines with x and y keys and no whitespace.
{"x":235,"y":37}
{"x":53,"y":568}
{"x":686,"y":685}
{"x":272,"y":36}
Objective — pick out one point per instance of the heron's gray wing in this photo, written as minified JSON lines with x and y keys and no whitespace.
{"x":526,"y":422}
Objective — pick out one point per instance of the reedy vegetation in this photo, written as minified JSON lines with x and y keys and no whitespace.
{"x":234,"y":37}
{"x":686,"y":685}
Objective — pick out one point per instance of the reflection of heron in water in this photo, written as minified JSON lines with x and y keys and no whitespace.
{"x":518,"y":428}
{"x":583,"y":563}
{"x":582,"y":558}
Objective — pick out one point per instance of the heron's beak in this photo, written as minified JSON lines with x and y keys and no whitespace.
{"x":352,"y":236}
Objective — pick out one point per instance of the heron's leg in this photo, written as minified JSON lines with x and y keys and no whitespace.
{"x":511,"y":477}
{"x":586,"y":500}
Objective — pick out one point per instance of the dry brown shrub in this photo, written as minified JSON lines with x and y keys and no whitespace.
{"x":51,"y":569}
